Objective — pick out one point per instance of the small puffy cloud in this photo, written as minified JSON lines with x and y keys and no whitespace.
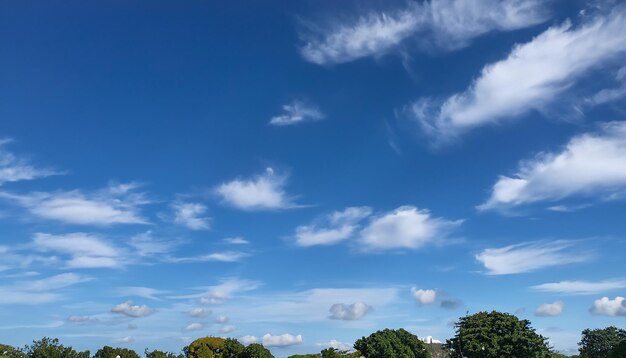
{"x":227,"y":329}
{"x":424,"y":297}
{"x":406,"y":227}
{"x":128,"y":309}
{"x":333,"y":228}
{"x":104,"y":207}
{"x":191,"y":216}
{"x":199,"y":312}
{"x":221,"y":319}
{"x":127,"y":339}
{"x":430,"y":339}
{"x":14,"y":168}
{"x":193,"y":327}
{"x":550,"y":309}
{"x":281,"y":341}
{"x":529,"y":256}
{"x":354,"y":311}
{"x":246,"y":340}
{"x":84,"y":250}
{"x":297,"y":112}
{"x":607,"y":307}
{"x":580,"y":287}
{"x":263,"y":192}
{"x":590,"y":164}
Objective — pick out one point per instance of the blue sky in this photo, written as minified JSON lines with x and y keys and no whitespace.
{"x":301,"y":174}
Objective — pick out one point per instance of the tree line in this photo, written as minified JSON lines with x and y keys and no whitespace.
{"x":481,"y":335}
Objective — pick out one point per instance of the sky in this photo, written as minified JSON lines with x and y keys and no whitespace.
{"x":303,"y":173}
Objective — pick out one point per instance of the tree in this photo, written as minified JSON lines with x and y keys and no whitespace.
{"x":619,"y":351}
{"x":232,"y":348}
{"x":159,"y":354}
{"x":10,"y":352}
{"x":209,"y":347}
{"x":256,"y":350}
{"x":110,"y":352}
{"x":494,"y":335}
{"x":51,"y":348}
{"x":600,"y":343}
{"x":391,"y":343}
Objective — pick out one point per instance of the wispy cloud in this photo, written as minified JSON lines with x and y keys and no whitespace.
{"x":262,"y":192}
{"x":297,"y":112}
{"x":191,"y":216}
{"x":580,"y":287}
{"x":143,"y":292}
{"x":442,"y":24}
{"x":333,"y":228}
{"x":111,"y":205}
{"x":221,"y":292}
{"x":530,"y":256}
{"x":533,"y":76}
{"x":14,"y":168}
{"x":590,"y":164}
{"x":84,"y":250}
{"x":39,"y":291}
{"x":227,"y":256}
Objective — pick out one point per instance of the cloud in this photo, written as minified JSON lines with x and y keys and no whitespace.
{"x":227,"y":256}
{"x":190,"y":216}
{"x":529,"y":256}
{"x":607,"y":307}
{"x":442,"y":24}
{"x":81,"y":319}
{"x":550,"y":309}
{"x":224,"y":291}
{"x":297,"y":112}
{"x":227,"y":329}
{"x":611,"y":94}
{"x":84,"y":250}
{"x":194,"y":327}
{"x":39,"y":291}
{"x":533,"y":76}
{"x":263,"y":192}
{"x":236,"y":241}
{"x":344,"y":312}
{"x":128,"y":309}
{"x":55,"y":282}
{"x":406,"y":227}
{"x":143,"y":292}
{"x":580,"y":287}
{"x":221,"y":319}
{"x":590,"y":164}
{"x":246,"y":340}
{"x":199,"y":312}
{"x":127,"y":339}
{"x":333,"y":343}
{"x":105,"y":207}
{"x":430,"y":339}
{"x":424,"y":297}
{"x":14,"y":168}
{"x":333,"y":228}
{"x":451,"y":304}
{"x":147,"y":245}
{"x":281,"y":341}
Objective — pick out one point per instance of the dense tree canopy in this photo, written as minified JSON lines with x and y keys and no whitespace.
{"x":10,"y":352}
{"x":208,"y":347}
{"x":110,"y":352}
{"x":496,"y":335}
{"x":256,"y":350}
{"x":600,"y":343}
{"x":160,"y":354}
{"x":391,"y":343}
{"x":51,"y":348}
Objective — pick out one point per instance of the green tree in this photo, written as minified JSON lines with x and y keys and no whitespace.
{"x":232,"y":348}
{"x":600,"y":343}
{"x":494,"y":335}
{"x":619,"y":351}
{"x":51,"y":348}
{"x":391,"y":343}
{"x":160,"y":354}
{"x":209,"y":347}
{"x":256,"y":350}
{"x":110,"y":352}
{"x":10,"y":352}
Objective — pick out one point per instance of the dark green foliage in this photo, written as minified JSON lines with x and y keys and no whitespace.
{"x":232,"y":348}
{"x":391,"y":343}
{"x":10,"y":352}
{"x":600,"y":343}
{"x":160,"y":354}
{"x":619,"y":351}
{"x":110,"y":352}
{"x":256,"y":350}
{"x":336,"y":353}
{"x":51,"y":348}
{"x":304,"y":356}
{"x":495,"y":335}
{"x":209,"y":347}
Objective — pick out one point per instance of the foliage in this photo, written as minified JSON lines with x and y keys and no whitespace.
{"x":336,"y":353}
{"x":51,"y":348}
{"x":110,"y":352}
{"x":494,"y":335}
{"x":304,"y":356}
{"x":10,"y":352}
{"x":391,"y":343}
{"x":600,"y":343}
{"x":256,"y":350}
{"x":619,"y":351}
{"x":160,"y":354}
{"x":209,"y":347}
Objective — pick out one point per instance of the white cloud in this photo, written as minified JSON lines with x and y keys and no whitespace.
{"x":105,"y":207}
{"x":55,"y":282}
{"x":143,"y":292}
{"x":550,"y":309}
{"x":221,"y":319}
{"x":263,"y":192}
{"x":147,"y":245}
{"x":85,"y":250}
{"x":246,"y":340}
{"x":406,"y":227}
{"x":236,"y":241}
{"x":199,"y":312}
{"x":227,"y":329}
{"x":194,"y":327}
{"x":297,"y":112}
{"x":529,"y":256}
{"x":81,"y":319}
{"x":227,"y":256}
{"x":224,"y":291}
{"x":333,"y":228}
{"x":611,"y":94}
{"x":14,"y":168}
{"x":430,"y":339}
{"x":424,"y":297}
{"x":39,"y":291}
{"x":533,"y":76}
{"x":607,"y":307}
{"x":333,"y":343}
{"x":443,"y":24}
{"x":190,"y":215}
{"x":580,"y":287}
{"x":127,"y":339}
{"x":281,"y":341}
{"x":344,"y":312}
{"x":128,"y":309}
{"x":590,"y":164}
